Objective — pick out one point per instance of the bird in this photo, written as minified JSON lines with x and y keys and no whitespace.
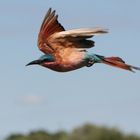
{"x":66,"y":50}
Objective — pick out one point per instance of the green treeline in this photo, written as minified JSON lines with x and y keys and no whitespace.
{"x":86,"y":132}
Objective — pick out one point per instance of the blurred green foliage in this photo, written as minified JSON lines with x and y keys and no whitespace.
{"x":86,"y":132}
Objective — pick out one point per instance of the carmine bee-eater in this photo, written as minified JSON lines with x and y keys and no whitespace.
{"x":67,"y":50}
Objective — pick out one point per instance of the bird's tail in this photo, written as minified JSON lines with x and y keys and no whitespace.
{"x":117,"y":62}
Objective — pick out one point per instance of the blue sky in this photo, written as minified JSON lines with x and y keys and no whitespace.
{"x":33,"y":98}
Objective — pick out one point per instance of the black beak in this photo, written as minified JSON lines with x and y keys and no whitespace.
{"x":35,"y":62}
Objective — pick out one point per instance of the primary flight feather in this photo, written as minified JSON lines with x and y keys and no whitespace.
{"x":67,"y":50}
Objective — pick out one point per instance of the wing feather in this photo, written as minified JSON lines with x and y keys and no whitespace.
{"x":82,"y":32}
{"x":77,"y":38}
{"x":50,"y":25}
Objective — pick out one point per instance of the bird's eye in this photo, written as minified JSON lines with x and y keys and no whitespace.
{"x":44,"y":60}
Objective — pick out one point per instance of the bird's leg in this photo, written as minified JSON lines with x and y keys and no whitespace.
{"x":90,"y":62}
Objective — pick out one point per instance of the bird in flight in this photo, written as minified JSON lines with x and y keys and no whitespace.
{"x":67,"y":50}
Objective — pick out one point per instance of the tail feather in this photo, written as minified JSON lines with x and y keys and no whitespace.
{"x":118,"y":62}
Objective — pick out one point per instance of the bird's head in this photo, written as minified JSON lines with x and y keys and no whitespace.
{"x":43,"y":59}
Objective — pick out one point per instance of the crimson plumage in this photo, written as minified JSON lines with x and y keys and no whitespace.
{"x":67,"y":50}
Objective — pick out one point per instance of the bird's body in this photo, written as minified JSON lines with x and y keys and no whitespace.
{"x":67,"y":50}
{"x":65,"y":60}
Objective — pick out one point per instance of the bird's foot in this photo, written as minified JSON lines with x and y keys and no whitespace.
{"x":90,"y":63}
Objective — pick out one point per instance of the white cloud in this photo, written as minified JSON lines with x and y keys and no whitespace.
{"x":32,"y":99}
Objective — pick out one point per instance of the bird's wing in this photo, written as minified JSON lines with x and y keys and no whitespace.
{"x":52,"y":35}
{"x":50,"y":25}
{"x":82,"y":32}
{"x":77,"y":38}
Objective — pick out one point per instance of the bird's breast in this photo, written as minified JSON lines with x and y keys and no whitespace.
{"x":67,"y":60}
{"x":71,"y":57}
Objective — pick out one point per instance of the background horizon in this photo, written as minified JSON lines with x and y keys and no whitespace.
{"x":35,"y":98}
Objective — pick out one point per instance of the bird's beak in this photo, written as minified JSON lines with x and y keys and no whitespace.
{"x":34,"y":62}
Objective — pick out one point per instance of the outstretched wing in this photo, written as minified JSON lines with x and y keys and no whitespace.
{"x":78,"y":38}
{"x":50,"y":25}
{"x":52,"y":35}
